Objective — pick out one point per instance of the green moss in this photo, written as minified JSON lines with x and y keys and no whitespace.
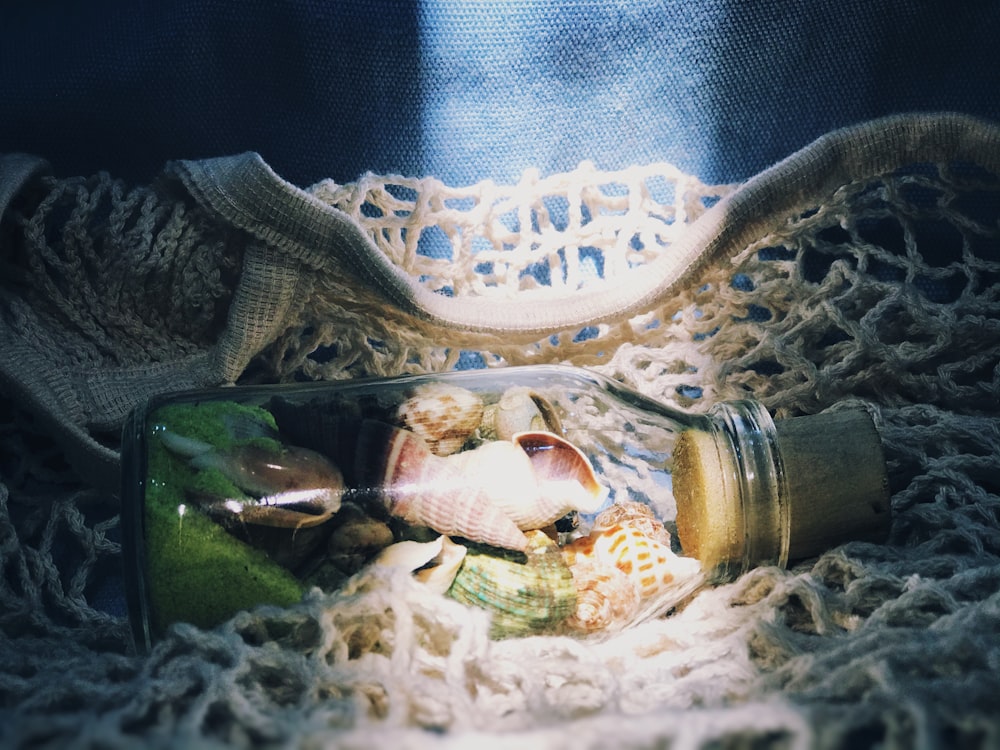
{"x":197,"y":571}
{"x":217,"y":422}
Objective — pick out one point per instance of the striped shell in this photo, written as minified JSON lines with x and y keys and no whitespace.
{"x":648,"y":563}
{"x":636,"y":515}
{"x":444,"y":415}
{"x":535,"y":480}
{"x":525,"y":596}
{"x":422,"y":489}
{"x":606,"y":598}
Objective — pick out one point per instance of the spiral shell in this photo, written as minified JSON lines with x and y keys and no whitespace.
{"x":519,"y":409}
{"x":531,"y":594}
{"x":535,"y":480}
{"x":427,"y":490}
{"x":444,"y":415}
{"x":606,"y":598}
{"x":637,"y":515}
{"x":649,"y":564}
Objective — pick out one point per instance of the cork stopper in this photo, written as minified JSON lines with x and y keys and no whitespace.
{"x":826,"y":481}
{"x":835,"y":474}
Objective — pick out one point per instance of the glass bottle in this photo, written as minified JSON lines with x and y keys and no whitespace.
{"x":551,"y":495}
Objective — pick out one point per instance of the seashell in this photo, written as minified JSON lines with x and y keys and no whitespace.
{"x":606,"y":598}
{"x":563,"y":470}
{"x":526,"y":595}
{"x":435,"y":563}
{"x":439,"y":576}
{"x":288,"y":487}
{"x":505,"y":476}
{"x":635,"y":514}
{"x":274,"y":497}
{"x":535,"y":481}
{"x":444,"y":415}
{"x":651,"y":565}
{"x":519,"y":409}
{"x":427,"y":490}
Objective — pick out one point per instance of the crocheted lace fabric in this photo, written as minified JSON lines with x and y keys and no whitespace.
{"x":863,"y":270}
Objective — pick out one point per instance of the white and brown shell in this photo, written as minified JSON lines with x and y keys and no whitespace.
{"x":535,"y":480}
{"x":651,"y":565}
{"x":606,"y":598}
{"x":565,"y":475}
{"x":287,"y":487}
{"x":444,"y":415}
{"x":635,"y":514}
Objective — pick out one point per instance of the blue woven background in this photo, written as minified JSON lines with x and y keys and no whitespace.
{"x":465,"y":90}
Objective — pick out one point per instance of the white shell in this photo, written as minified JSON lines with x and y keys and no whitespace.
{"x":433,"y":491}
{"x":519,"y":409}
{"x":532,"y":489}
{"x":417,"y":557}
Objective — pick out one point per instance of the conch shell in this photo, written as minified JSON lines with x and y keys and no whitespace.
{"x":489,"y":494}
{"x":606,"y":597}
{"x":526,"y":596}
{"x":535,"y":480}
{"x":427,"y":490}
{"x":563,"y":471}
{"x":442,"y":414}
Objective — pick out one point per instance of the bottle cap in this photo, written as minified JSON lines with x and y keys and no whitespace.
{"x":835,"y":474}
{"x":828,"y":486}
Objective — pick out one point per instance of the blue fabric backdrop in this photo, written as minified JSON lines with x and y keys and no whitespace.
{"x":466,"y":89}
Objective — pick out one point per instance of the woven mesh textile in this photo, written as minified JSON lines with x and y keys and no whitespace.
{"x":863,"y":270}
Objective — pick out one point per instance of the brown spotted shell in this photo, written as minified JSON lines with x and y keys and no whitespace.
{"x":637,"y":515}
{"x":444,"y":415}
{"x":651,"y":565}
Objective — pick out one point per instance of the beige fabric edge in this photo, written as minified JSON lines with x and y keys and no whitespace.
{"x":245,"y":192}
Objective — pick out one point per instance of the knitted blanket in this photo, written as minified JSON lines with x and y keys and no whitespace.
{"x":864,"y":269}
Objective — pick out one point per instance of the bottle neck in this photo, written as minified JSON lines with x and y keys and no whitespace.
{"x":732,"y":509}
